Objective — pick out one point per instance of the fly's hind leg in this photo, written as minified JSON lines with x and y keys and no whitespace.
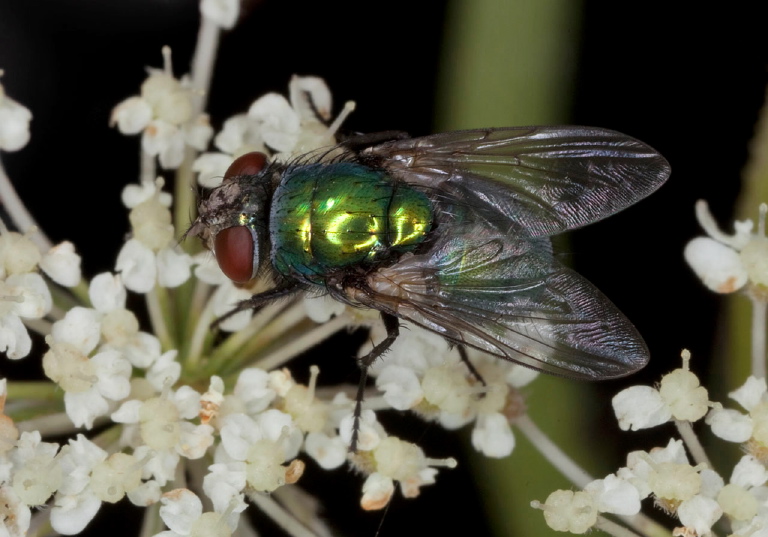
{"x":392,"y":325}
{"x":472,"y":369}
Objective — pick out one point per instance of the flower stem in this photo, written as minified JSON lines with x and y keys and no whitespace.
{"x":304,"y":342}
{"x":203,"y":60}
{"x":759,"y":307}
{"x":156,"y":316}
{"x":22,"y":218}
{"x":692,"y":442}
{"x":611,"y":528}
{"x":280,"y":516}
{"x":43,"y":390}
{"x":556,"y":456}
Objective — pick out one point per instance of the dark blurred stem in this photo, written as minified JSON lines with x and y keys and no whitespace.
{"x":759,"y":306}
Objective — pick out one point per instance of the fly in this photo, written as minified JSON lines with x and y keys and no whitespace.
{"x":449,"y":232}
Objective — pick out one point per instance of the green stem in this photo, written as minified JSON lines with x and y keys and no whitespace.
{"x":759,"y":306}
{"x":157,"y":306}
{"x":234,"y":344}
{"x":42,"y":390}
{"x":303,"y":343}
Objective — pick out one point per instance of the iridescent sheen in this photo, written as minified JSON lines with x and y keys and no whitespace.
{"x":329,"y":216}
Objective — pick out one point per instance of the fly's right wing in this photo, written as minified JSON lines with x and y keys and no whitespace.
{"x":509,"y":298}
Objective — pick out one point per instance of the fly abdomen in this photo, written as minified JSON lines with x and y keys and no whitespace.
{"x":325,"y":217}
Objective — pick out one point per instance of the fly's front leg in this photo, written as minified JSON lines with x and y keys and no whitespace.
{"x":392,"y":325}
{"x":256,"y":302}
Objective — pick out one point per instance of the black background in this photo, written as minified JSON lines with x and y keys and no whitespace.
{"x":688,"y":82}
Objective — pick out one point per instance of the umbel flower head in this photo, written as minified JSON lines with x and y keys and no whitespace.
{"x":729,"y":263}
{"x":142,"y":403}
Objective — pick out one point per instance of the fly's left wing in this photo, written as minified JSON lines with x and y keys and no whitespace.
{"x":509,"y":298}
{"x":531,"y":181}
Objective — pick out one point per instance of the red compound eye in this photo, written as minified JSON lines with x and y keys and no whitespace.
{"x":248,"y":164}
{"x":234,"y":252}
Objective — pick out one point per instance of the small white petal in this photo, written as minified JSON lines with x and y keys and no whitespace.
{"x":128,"y":412}
{"x":238,"y":433}
{"x":208,"y":270}
{"x":165,"y":371}
{"x":718,"y":266}
{"x":401,"y":387}
{"x":707,"y":222}
{"x":699,"y":513}
{"x":280,"y":125}
{"x":136,"y":263}
{"x":146,"y":494}
{"x":730,"y":425}
{"x":71,"y":514}
{"x":223,"y":483}
{"x":84,"y":407}
{"x":520,"y":376}
{"x":132,"y":115}
{"x":114,"y":374}
{"x":750,"y":394}
{"x":211,"y":168}
{"x":195,"y":440}
{"x":309,"y":94}
{"x":14,"y":124}
{"x":172,"y":153}
{"x":14,"y":339}
{"x":640,"y":407}
{"x":240,"y":134}
{"x":80,"y":327}
{"x":198,"y":133}
{"x":329,"y":452}
{"x":62,"y":264}
{"x":492,"y":436}
{"x":377,"y":491}
{"x":252,"y":388}
{"x":224,"y":300}
{"x":186,"y":398}
{"x":158,"y":136}
{"x":173,"y":267}
{"x":223,"y":12}
{"x":711,"y":483}
{"x":181,"y":507}
{"x":615,"y":495}
{"x":35,"y":296}
{"x":134,"y":195}
{"x":107,"y":292}
{"x":749,"y":472}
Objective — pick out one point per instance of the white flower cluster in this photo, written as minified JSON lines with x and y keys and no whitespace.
{"x":696,"y":495}
{"x":164,"y":114}
{"x":273,"y":124}
{"x":421,"y":374}
{"x":729,"y":263}
{"x":24,"y":294}
{"x":169,"y":402}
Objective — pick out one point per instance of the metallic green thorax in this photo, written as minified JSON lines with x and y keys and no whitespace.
{"x":330,"y":216}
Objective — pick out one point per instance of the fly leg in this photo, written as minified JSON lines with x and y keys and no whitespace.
{"x":472,"y":369}
{"x":256,"y":302}
{"x":392,"y":325}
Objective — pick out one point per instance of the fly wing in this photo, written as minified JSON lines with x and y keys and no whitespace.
{"x":508,"y":297}
{"x":535,"y":181}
